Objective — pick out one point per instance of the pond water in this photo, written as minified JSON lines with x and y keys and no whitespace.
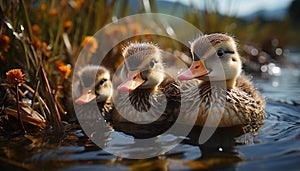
{"x":275,"y":146}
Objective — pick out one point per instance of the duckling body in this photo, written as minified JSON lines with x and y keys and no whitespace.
{"x":148,"y":94}
{"x":147,"y":106}
{"x":224,"y":97}
{"x":234,"y":106}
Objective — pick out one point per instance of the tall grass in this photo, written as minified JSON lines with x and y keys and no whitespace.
{"x":44,"y":39}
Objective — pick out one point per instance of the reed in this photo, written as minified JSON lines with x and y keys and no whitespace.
{"x":43,"y":39}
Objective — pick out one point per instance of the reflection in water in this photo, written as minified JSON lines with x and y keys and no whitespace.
{"x":219,"y":151}
{"x":284,"y":88}
{"x":275,"y":146}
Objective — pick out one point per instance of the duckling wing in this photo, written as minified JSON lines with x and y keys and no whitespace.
{"x":243,"y":83}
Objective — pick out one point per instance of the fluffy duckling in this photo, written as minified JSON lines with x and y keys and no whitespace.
{"x":225,"y":96}
{"x":92,"y":83}
{"x":148,"y":93}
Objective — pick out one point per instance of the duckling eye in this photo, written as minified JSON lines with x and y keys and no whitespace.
{"x":101,"y":82}
{"x":220,"y":52}
{"x":152,"y":63}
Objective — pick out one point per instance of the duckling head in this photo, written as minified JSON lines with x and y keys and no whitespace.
{"x":142,"y":69}
{"x":215,"y":58}
{"x":93,"y":82}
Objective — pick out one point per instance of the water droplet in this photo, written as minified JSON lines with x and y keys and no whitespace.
{"x":16,"y":35}
{"x":275,"y":83}
{"x":264,"y":68}
{"x":276,"y":71}
{"x":21,"y":27}
{"x":278,"y":51}
{"x":9,"y":25}
{"x":26,"y":101}
{"x":114,"y":19}
{"x":254,"y":52}
{"x":69,"y":66}
{"x":20,"y":35}
{"x":170,"y":31}
{"x":271,"y":65}
{"x":220,"y":149}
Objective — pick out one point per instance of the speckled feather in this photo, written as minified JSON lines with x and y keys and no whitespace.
{"x":88,"y":112}
{"x":152,"y":102}
{"x":241,"y":105}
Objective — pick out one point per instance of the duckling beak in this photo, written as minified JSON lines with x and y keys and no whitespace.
{"x":134,"y":80}
{"x":87,"y":95}
{"x":197,"y":69}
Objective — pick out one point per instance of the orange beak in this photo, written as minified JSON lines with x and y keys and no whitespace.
{"x":134,"y":80}
{"x":197,"y":69}
{"x":87,"y":95}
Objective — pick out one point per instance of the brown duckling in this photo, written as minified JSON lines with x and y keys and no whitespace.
{"x":92,"y":83}
{"x":223,"y":96}
{"x":148,"y":92}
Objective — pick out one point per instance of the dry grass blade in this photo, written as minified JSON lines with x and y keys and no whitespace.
{"x":18,"y":109}
{"x":67,"y":44}
{"x":40,"y":100}
{"x":28,"y":115}
{"x":53,"y":108}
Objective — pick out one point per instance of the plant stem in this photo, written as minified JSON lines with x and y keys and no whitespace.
{"x":18,"y":108}
{"x":28,"y":24}
{"x":57,"y":122}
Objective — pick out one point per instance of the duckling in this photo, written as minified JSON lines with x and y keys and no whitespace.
{"x":148,"y":92}
{"x":92,"y":83}
{"x":225,"y":97}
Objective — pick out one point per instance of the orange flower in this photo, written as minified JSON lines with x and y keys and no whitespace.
{"x":63,"y":69}
{"x":43,"y":7}
{"x":36,"y":43}
{"x":77,"y":4}
{"x":90,"y":43}
{"x":36,"y":30}
{"x":4,"y":42}
{"x":5,"y":39}
{"x":59,"y":63}
{"x":45,"y":49}
{"x":15,"y":76}
{"x":67,"y":25}
{"x":52,"y":12}
{"x":64,"y":3}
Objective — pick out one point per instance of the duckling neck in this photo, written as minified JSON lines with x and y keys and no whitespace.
{"x":140,"y":98}
{"x":230,"y":84}
{"x":145,"y":90}
{"x":105,"y":107}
